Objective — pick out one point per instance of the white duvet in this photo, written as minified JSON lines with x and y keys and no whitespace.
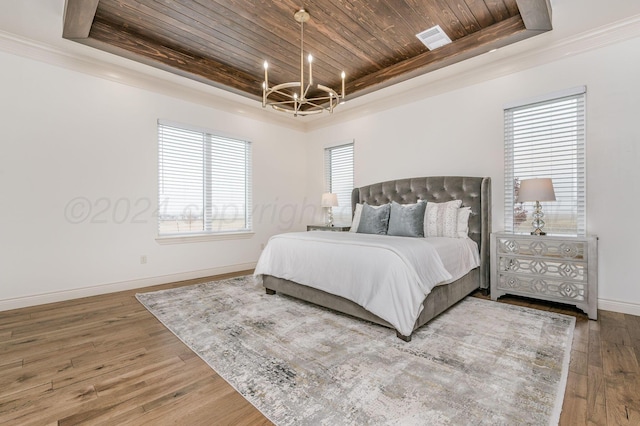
{"x":388,"y":276}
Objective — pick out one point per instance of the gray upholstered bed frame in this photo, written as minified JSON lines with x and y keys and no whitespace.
{"x":475,"y":192}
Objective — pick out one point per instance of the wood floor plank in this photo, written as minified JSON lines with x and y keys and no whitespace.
{"x":595,"y":348}
{"x":578,"y":363}
{"x":595,"y":386}
{"x":28,"y":377}
{"x":577,"y":385}
{"x":574,"y":410}
{"x":116,"y":404}
{"x":17,"y":404}
{"x":622,"y":408}
{"x":614,"y":328}
{"x":102,"y":366}
{"x":69,"y":351}
{"x":10,"y":367}
{"x":581,"y":335}
{"x":618,"y":359}
{"x":47,"y":342}
{"x":5,"y":335}
{"x":41,"y":408}
{"x":633,"y":326}
{"x":10,"y":318}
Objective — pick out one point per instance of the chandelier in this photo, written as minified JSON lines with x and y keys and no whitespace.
{"x":294,"y":97}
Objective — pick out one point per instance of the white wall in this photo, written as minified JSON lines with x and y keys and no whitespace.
{"x":70,"y":138}
{"x":461,"y":133}
{"x":67,"y":134}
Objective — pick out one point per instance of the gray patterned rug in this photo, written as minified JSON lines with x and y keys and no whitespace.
{"x":479,"y":363}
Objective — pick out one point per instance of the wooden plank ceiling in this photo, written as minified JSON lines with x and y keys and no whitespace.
{"x":225,"y":42}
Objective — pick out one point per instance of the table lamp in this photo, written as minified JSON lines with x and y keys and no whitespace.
{"x":537,"y":189}
{"x":329,"y":200}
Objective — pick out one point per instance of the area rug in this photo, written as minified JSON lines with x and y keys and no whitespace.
{"x":479,"y":363}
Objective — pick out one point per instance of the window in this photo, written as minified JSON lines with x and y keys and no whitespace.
{"x":546,"y":138}
{"x":204,"y":182}
{"x":338,"y":166}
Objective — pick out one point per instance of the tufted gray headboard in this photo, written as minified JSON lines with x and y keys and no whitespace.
{"x":475,"y":192}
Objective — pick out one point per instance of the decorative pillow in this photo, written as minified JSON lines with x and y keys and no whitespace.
{"x":441,"y":219}
{"x":374,"y":220}
{"x":407,"y":220}
{"x":356,"y":218}
{"x":463,"y":222}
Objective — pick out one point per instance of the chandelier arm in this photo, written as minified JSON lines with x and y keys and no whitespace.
{"x":301,"y":113}
{"x":326,"y":104}
{"x":328,"y":90}
{"x":280,"y":93}
{"x":277,"y":87}
{"x":304,"y":95}
{"x":321,"y":106}
{"x":311,"y":112}
{"x":282,"y":103}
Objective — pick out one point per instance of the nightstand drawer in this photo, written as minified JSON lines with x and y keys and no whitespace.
{"x":544,"y":267}
{"x":542,"y":246}
{"x":559,"y":290}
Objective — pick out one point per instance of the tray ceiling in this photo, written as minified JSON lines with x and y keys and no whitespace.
{"x":225,"y":42}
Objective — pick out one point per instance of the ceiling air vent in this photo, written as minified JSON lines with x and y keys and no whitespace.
{"x":434,"y":37}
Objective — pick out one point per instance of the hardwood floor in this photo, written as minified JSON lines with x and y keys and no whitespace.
{"x":107,"y":360}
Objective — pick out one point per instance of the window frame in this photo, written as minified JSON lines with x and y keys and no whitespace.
{"x":344,"y":197}
{"x":209,"y":140}
{"x":568,"y":143}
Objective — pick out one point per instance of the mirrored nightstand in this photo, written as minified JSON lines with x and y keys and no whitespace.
{"x":556,"y":268}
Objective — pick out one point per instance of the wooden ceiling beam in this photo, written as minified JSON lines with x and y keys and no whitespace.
{"x":536,"y":14}
{"x":78,"y":17}
{"x":206,"y":70}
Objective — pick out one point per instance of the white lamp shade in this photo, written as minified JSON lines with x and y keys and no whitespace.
{"x":329,"y":200}
{"x":538,"y":189}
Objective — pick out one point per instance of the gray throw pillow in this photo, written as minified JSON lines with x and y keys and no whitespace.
{"x":407,"y":220}
{"x":374,"y":220}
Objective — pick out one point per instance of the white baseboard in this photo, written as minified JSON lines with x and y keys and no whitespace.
{"x":617,"y":306}
{"x":59,"y":296}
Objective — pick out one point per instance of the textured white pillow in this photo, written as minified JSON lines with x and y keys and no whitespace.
{"x":441,"y":219}
{"x":356,"y":218}
{"x":463,"y":222}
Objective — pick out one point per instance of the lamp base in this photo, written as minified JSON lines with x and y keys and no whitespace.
{"x":329,"y":220}
{"x":538,"y":223}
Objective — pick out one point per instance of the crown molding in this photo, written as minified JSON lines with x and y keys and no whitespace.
{"x":520,"y":56}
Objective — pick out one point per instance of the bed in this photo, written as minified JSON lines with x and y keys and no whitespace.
{"x":474,"y":192}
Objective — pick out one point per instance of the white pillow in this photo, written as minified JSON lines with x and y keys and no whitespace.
{"x":356,"y":218}
{"x":463,"y":222}
{"x":441,"y":219}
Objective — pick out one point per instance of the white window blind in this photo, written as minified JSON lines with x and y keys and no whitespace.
{"x":546,"y":138}
{"x":204,"y":182}
{"x":338,"y":163}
